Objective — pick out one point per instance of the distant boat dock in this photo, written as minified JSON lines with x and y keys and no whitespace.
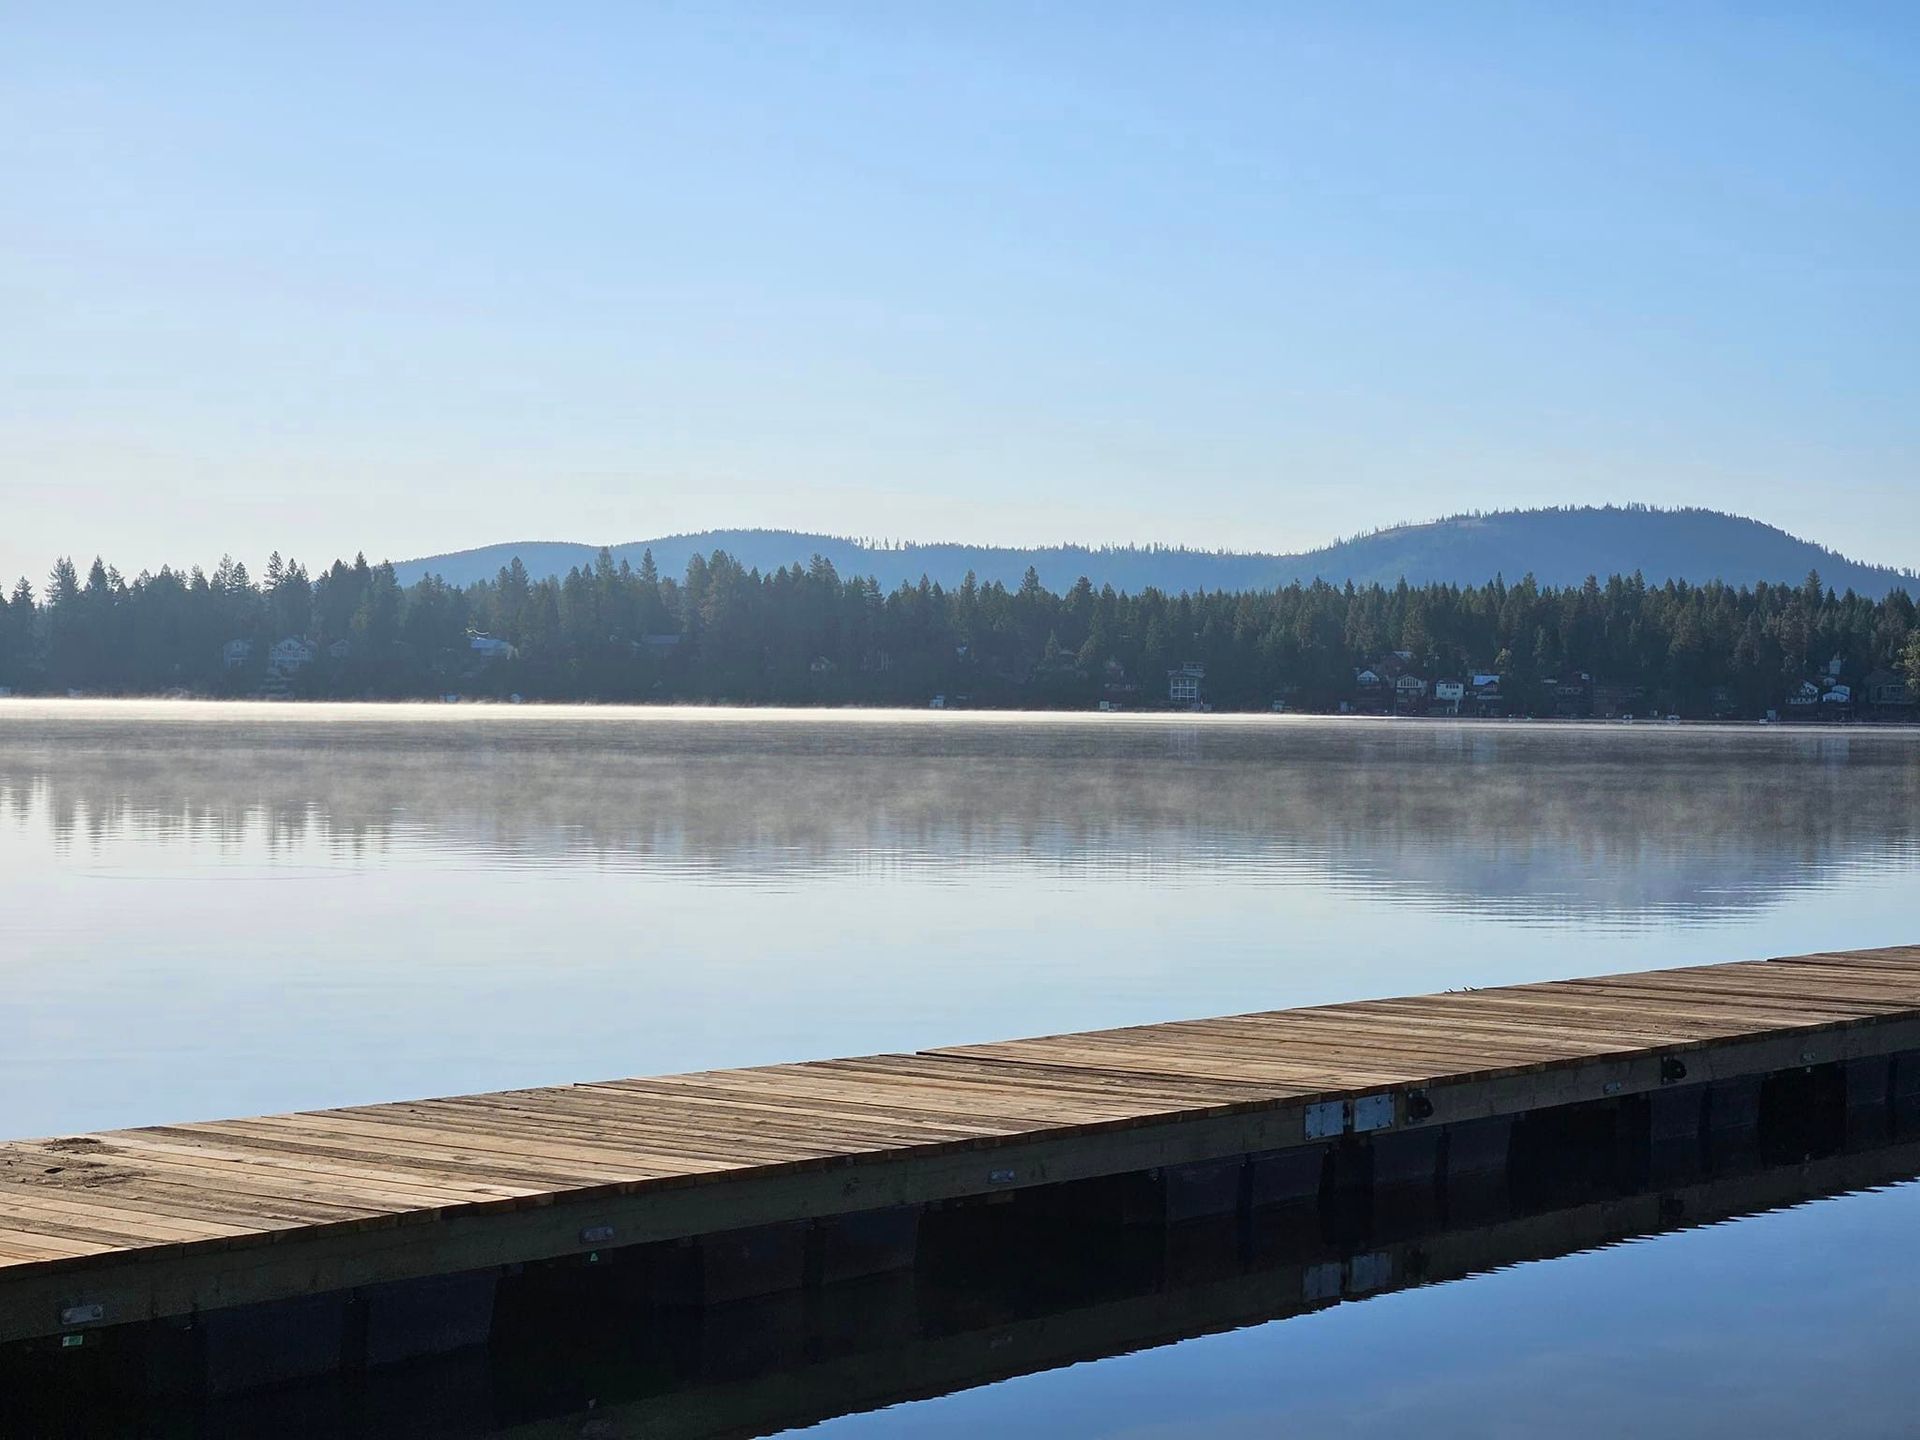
{"x":285,"y":1246}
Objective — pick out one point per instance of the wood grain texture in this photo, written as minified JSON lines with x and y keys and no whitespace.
{"x":71,"y":1202}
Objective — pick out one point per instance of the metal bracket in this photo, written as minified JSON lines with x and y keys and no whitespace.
{"x":1372,"y":1112}
{"x":1327,"y":1119}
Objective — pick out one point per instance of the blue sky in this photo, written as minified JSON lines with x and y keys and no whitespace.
{"x":413,"y":278}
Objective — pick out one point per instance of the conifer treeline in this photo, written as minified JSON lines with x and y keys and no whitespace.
{"x":805,"y":634}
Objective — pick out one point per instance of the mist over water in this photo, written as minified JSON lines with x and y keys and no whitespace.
{"x":212,"y":910}
{"x":223,"y":909}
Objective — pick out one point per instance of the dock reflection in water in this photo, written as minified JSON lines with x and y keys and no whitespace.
{"x":1052,"y":1279}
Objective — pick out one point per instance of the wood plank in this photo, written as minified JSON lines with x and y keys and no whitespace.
{"x":359,"y":1172}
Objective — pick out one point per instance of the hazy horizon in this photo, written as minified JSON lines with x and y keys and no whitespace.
{"x":874,"y":541}
{"x":315,"y":561}
{"x":418,"y":282}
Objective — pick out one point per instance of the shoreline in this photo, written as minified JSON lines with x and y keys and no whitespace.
{"x":74,"y":705}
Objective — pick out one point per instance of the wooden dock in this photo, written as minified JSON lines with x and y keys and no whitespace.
{"x":193,"y":1219}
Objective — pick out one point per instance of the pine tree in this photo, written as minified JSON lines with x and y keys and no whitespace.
{"x":63,"y":583}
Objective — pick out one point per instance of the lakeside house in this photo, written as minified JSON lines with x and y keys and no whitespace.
{"x":1183,"y":685}
{"x":1571,"y":692}
{"x":1389,"y":684}
{"x":286,"y":656}
{"x":291,"y":654}
{"x":1888,"y":691}
{"x":492,"y":647}
{"x":1614,"y":702}
{"x":1484,"y":695}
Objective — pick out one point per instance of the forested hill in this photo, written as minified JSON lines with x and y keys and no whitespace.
{"x":1558,"y":547}
{"x":807,"y":635}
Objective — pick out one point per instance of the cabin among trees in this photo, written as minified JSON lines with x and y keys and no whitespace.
{"x":804,"y":634}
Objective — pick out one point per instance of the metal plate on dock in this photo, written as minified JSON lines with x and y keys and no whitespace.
{"x":1372,"y":1112}
{"x":1326,"y":1119}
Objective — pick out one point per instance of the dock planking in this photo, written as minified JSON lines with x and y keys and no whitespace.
{"x":170,"y":1220}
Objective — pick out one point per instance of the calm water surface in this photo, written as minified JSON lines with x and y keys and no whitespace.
{"x":1796,"y":1323}
{"x":210,"y":910}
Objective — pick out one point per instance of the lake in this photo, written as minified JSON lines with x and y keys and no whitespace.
{"x":224,"y":909}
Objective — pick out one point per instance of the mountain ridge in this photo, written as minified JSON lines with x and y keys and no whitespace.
{"x":1558,"y":546}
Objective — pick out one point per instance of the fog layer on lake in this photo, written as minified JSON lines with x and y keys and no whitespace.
{"x":218,"y":909}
